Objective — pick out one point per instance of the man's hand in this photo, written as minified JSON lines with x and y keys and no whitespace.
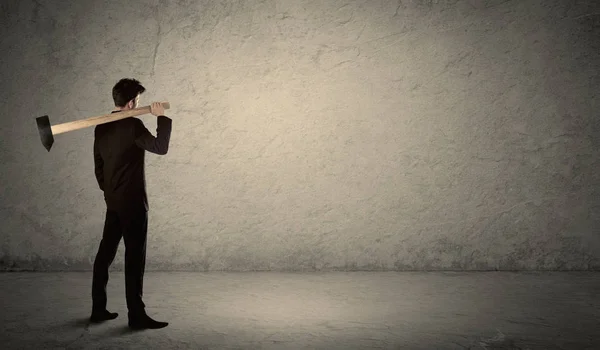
{"x":157,"y":109}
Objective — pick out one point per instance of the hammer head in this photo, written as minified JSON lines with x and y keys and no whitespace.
{"x":45,"y":130}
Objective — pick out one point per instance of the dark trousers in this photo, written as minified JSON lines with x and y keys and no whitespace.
{"x":133,"y":227}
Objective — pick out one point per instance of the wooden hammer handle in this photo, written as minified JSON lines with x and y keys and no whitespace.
{"x":103,"y":119}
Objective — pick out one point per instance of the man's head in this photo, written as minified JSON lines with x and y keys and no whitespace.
{"x":126,"y":93}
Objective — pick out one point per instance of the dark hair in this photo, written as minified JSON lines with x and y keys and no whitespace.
{"x":126,"y":90}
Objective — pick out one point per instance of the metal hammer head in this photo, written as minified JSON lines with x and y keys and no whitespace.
{"x":45,"y":130}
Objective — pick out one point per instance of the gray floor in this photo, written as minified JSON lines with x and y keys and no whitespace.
{"x":337,"y":310}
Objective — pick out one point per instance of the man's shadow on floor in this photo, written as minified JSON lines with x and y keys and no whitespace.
{"x":82,"y":322}
{"x":116,"y":328}
{"x":120,"y":331}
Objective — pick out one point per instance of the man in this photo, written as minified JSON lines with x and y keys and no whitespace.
{"x":119,"y":149}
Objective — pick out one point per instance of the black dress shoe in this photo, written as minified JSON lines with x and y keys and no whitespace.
{"x":145,"y":322}
{"x":101,"y":316}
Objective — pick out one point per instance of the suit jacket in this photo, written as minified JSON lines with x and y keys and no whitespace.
{"x":119,"y":150}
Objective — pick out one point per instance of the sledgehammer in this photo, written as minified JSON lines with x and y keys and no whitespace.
{"x":47,"y":131}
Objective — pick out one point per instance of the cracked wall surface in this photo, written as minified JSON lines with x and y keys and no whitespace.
{"x":384,"y":135}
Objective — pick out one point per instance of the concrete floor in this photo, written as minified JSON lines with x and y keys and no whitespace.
{"x":334,"y":310}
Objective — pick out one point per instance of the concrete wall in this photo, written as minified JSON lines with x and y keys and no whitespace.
{"x":320,"y":134}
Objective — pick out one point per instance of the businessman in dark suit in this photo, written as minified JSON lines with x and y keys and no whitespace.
{"x":119,"y":150}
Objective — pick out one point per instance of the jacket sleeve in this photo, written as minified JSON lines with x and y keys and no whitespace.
{"x":145,"y":140}
{"x":98,"y":165}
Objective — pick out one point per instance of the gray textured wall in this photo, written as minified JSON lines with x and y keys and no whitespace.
{"x":313,"y":134}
